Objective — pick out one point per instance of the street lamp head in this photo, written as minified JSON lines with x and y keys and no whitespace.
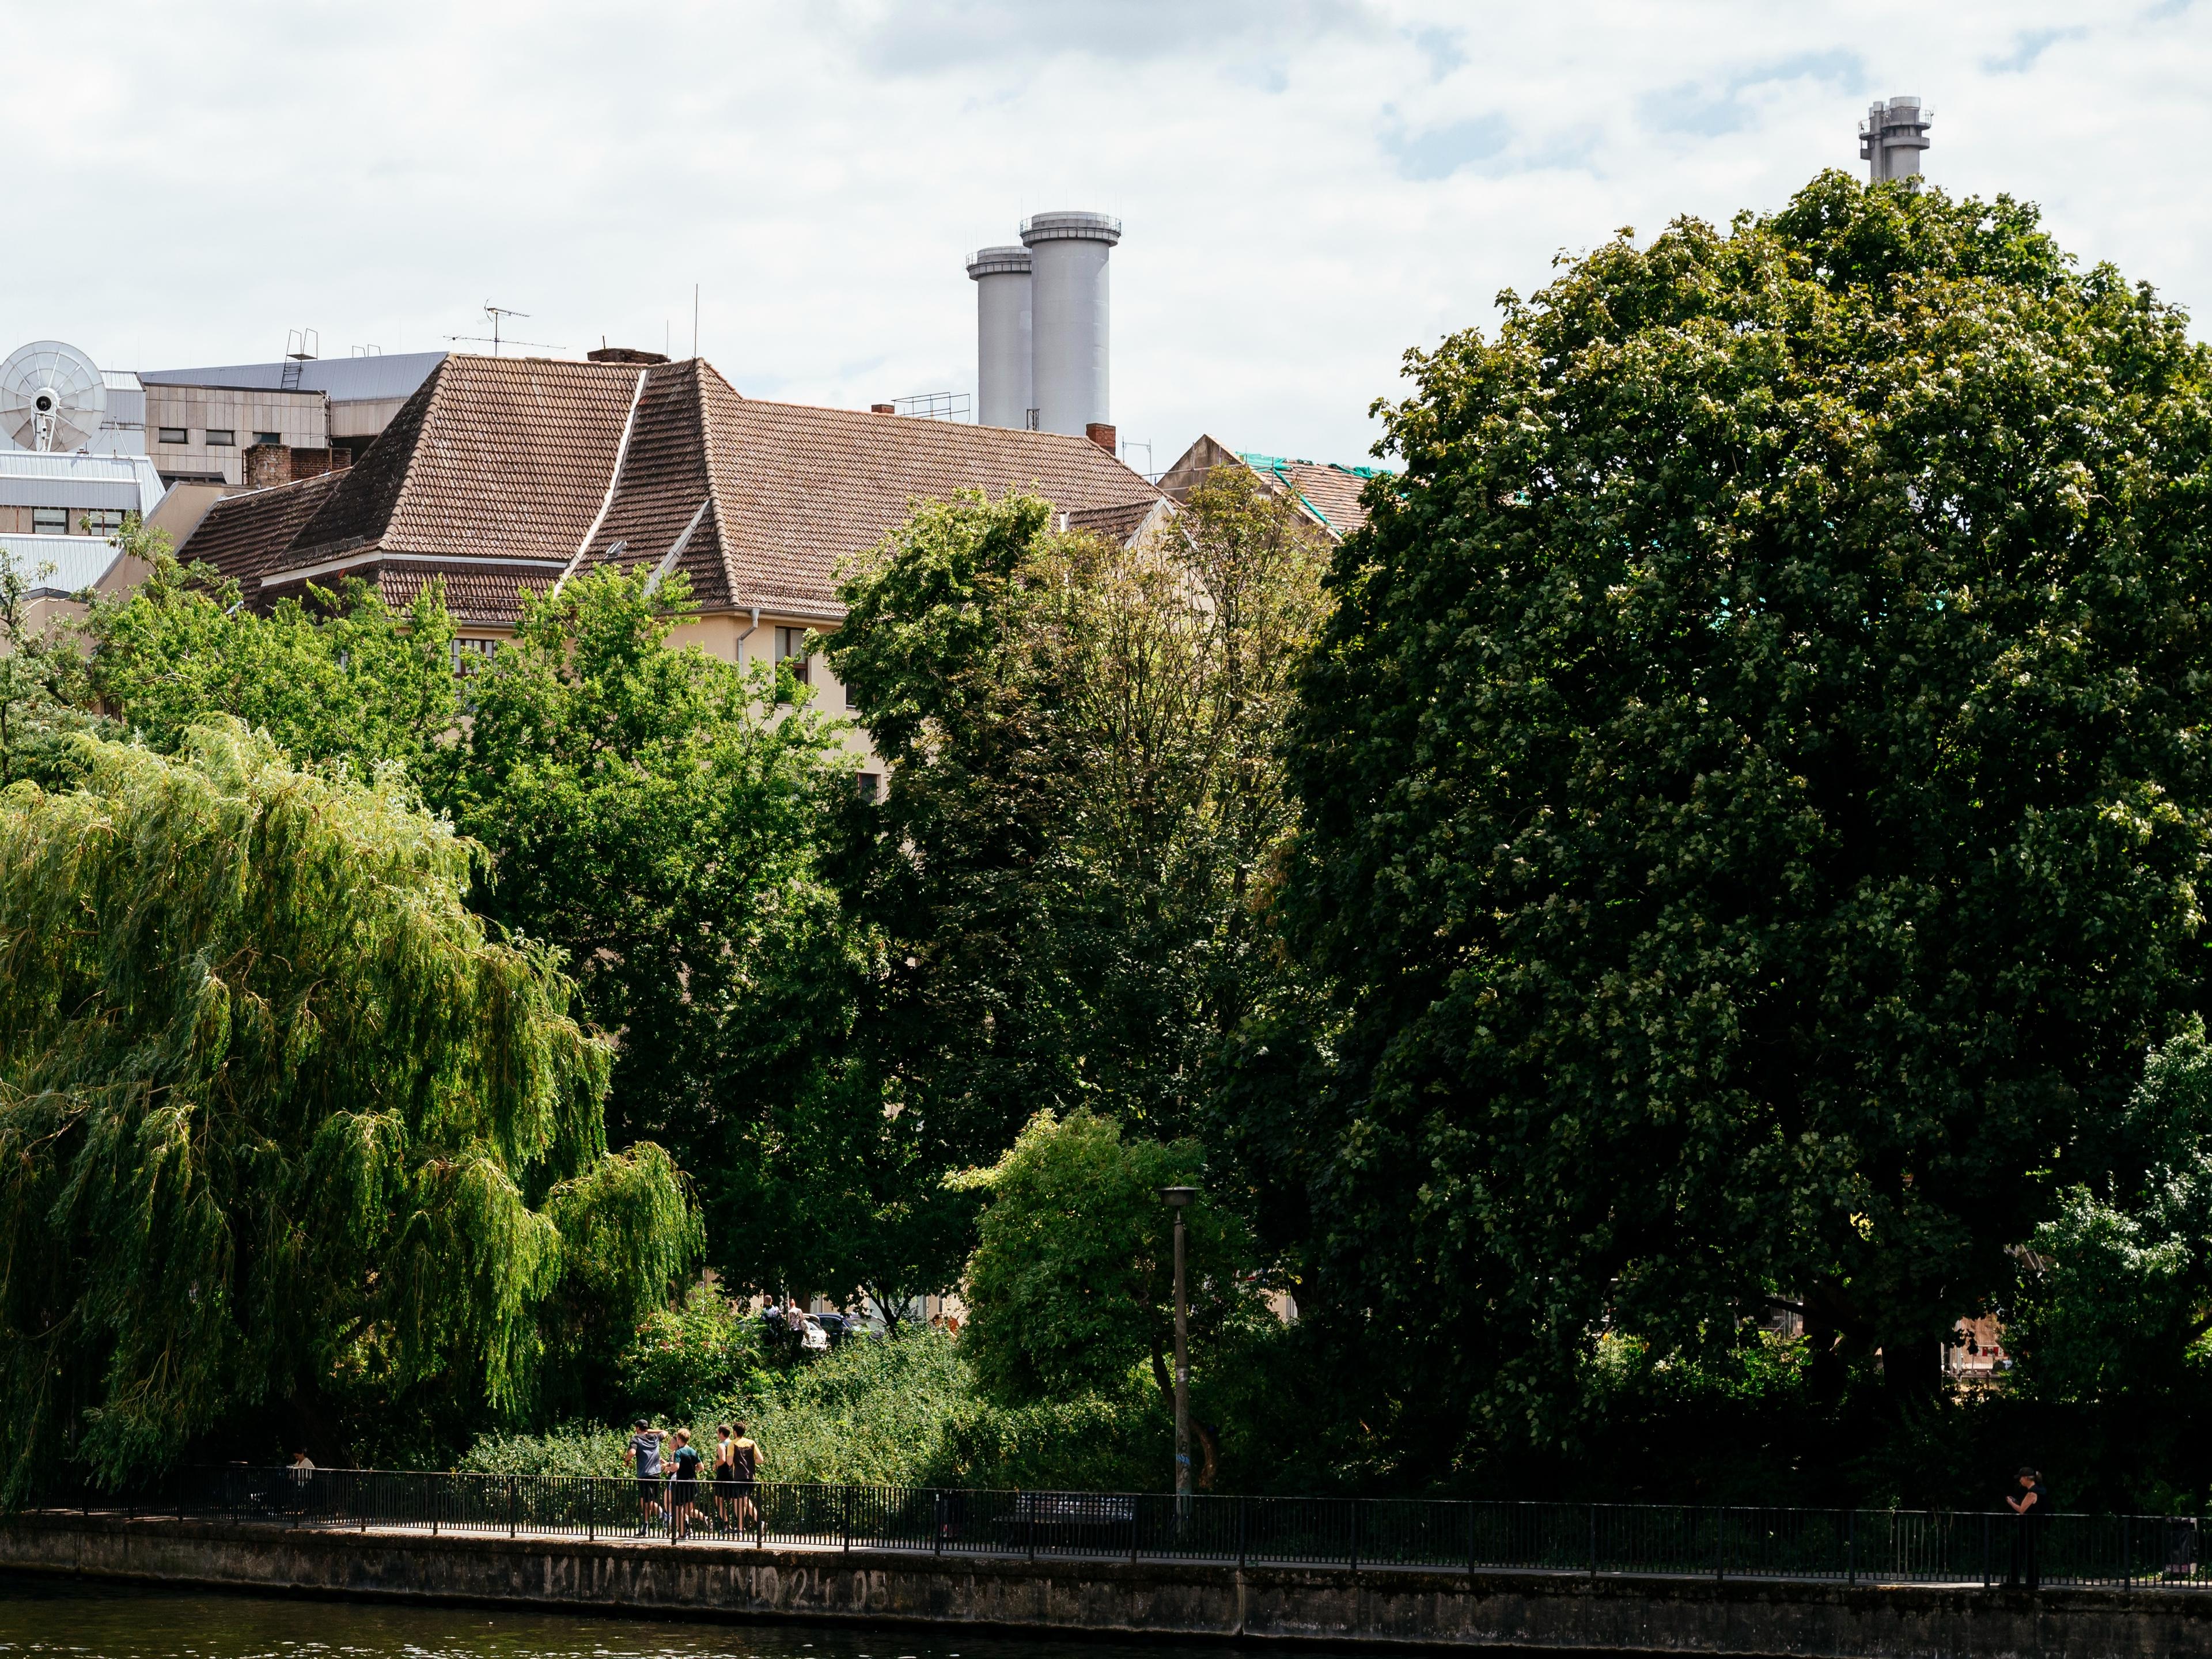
{"x":1178,"y":1197}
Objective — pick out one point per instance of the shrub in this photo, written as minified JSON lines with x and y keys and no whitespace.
{"x":686,"y":1358}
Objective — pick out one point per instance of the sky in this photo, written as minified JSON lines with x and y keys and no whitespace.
{"x":1308,"y":190}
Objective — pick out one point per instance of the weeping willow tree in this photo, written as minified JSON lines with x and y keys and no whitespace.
{"x":275,"y":1107}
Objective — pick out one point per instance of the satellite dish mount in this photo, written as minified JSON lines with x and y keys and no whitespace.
{"x":52,"y":398}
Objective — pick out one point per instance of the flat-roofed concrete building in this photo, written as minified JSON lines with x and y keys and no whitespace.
{"x":200,"y":422}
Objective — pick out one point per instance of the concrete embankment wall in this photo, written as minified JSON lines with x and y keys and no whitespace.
{"x":1377,"y":1607}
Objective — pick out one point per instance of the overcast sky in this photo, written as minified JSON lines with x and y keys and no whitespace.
{"x":1307,"y":189}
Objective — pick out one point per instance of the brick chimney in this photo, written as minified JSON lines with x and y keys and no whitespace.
{"x":882,"y":409}
{"x":1104,"y":435}
{"x":624,"y":355}
{"x":277,"y":464}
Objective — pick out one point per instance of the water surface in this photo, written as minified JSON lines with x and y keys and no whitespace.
{"x":72,"y":1618}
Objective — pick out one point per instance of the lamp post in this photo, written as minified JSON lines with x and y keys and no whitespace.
{"x":1179,"y":1200}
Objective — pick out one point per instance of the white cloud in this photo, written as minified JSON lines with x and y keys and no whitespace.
{"x":1308,"y":189}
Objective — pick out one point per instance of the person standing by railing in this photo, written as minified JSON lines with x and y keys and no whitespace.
{"x":2031,"y":1504}
{"x":644,"y":1453}
{"x":302,"y":1469}
{"x":683,"y":1490}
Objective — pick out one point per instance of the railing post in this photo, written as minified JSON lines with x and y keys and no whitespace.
{"x":1029,"y":1500}
{"x":1985,"y":1551}
{"x":1593,"y":1541}
{"x":1720,"y":1543}
{"x":510,"y":1506}
{"x":937,"y":1522}
{"x":1136,"y":1508}
{"x":1850,"y":1547}
{"x":592,"y":1509}
{"x":1243,"y":1504}
{"x":1471,"y":1545}
{"x":844,"y":1521}
{"x":1355,"y":1534}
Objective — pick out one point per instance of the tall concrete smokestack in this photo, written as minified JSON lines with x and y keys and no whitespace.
{"x":1892,"y":137}
{"x":1002,"y":336}
{"x":1071,"y":328}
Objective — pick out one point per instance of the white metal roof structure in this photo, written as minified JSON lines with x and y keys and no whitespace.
{"x":128,"y":483}
{"x":343,"y":379}
{"x":59,"y":565}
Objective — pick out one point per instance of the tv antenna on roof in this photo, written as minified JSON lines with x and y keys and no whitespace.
{"x":497,"y":313}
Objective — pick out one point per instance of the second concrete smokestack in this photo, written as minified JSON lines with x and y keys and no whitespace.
{"x":1071,"y":318}
{"x":1002,"y":336}
{"x":1892,"y":137}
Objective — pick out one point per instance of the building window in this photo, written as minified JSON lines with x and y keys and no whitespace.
{"x":50,"y":521}
{"x":791,"y":649}
{"x":100,"y":522}
{"x":870,"y":785}
{"x":470,"y":655}
{"x":268,"y":437}
{"x":221,"y":437}
{"x":171,"y":434}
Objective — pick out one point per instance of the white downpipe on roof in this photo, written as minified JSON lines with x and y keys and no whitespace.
{"x":676,"y":550}
{"x":614,"y":478}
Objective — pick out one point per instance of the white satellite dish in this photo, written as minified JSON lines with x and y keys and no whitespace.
{"x":52,"y":398}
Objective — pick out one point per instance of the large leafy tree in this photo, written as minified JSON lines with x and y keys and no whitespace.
{"x":342,"y":678}
{"x":1056,"y":905}
{"x":1070,"y":1288}
{"x":654,"y":813}
{"x":1755,"y":785}
{"x":651,"y":811}
{"x":279,"y":1115}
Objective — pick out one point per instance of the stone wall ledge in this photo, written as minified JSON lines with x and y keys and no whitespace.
{"x":1376,"y":1607}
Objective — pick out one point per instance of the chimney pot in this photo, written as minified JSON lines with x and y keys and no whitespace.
{"x":882,"y":409}
{"x":1104,"y":435}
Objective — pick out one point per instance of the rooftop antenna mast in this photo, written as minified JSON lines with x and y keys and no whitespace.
{"x":497,"y":314}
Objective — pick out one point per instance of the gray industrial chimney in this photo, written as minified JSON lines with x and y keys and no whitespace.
{"x":1069,"y":339}
{"x":1892,"y":137}
{"x":1002,"y":336}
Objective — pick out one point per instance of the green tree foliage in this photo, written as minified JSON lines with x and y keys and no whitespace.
{"x":341,"y":678}
{"x":2116,"y":1294}
{"x":653,"y":811}
{"x":1071,"y":1285}
{"x":1056,"y":901}
{"x":1755,"y":796}
{"x":42,"y":682}
{"x":278,"y":1114}
{"x":688,"y":1358}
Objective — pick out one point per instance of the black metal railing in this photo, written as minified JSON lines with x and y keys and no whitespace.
{"x":1682,"y":1541}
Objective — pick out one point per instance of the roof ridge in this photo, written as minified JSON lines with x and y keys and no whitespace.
{"x":436,"y":380}
{"x":724,"y":542}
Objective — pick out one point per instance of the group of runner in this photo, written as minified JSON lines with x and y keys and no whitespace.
{"x":672,"y":1496}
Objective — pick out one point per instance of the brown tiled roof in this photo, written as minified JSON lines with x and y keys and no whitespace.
{"x":1331,"y":492}
{"x":1116,"y":523}
{"x":1326,"y":492}
{"x":496,"y":469}
{"x":473,"y":596}
{"x":240,"y":533}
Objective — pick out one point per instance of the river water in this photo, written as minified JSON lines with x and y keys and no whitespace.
{"x":67,"y":1619}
